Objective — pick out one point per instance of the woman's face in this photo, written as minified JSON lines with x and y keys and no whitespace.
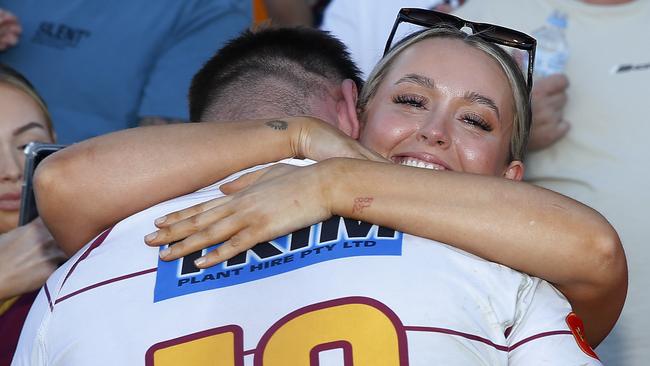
{"x":21,"y":121}
{"x":444,"y":105}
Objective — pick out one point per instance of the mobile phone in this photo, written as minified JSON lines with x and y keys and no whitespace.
{"x":35,"y":152}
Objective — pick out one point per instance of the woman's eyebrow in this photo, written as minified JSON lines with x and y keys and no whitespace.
{"x":474,"y":97}
{"x":26,"y":127}
{"x":418,"y":79}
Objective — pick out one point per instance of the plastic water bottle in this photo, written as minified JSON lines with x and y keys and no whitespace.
{"x":552,"y":47}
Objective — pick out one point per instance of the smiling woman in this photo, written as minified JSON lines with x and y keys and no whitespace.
{"x":475,"y":111}
{"x":28,"y":254}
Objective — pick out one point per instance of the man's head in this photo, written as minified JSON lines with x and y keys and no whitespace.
{"x":278,"y":73}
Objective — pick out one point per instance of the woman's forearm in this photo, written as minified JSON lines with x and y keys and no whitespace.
{"x":522,"y":226}
{"x":89,"y":186}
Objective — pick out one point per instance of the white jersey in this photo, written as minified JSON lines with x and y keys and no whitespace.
{"x":339,"y":292}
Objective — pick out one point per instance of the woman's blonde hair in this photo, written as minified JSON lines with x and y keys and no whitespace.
{"x":13,"y":78}
{"x":522,"y":113}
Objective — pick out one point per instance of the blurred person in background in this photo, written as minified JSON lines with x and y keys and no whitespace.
{"x":601,"y":160}
{"x":28,"y":254}
{"x":10,"y":30}
{"x":364,"y":25}
{"x":109,"y":65}
{"x":283,"y":13}
{"x":289,"y":13}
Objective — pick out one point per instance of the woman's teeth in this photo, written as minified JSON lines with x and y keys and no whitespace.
{"x":417,"y":163}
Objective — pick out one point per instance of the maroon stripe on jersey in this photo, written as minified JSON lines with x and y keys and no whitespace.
{"x":100,"y":239}
{"x":540,"y":335}
{"x":49,"y":298}
{"x":484,"y":340}
{"x":457,"y":333}
{"x":99,"y":284}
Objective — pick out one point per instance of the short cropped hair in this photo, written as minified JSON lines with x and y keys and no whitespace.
{"x":269,"y":70}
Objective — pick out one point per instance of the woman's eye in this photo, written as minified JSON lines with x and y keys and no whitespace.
{"x":21,"y":147}
{"x":477,"y":121}
{"x":411,"y":100}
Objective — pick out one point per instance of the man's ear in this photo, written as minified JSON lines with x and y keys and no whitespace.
{"x":346,"y":109}
{"x":515,"y":170}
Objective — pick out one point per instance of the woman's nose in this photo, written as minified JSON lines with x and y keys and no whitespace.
{"x":10,"y":169}
{"x":435,"y":132}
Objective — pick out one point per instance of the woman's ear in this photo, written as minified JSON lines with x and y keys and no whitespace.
{"x":515,"y":170}
{"x":346,"y":109}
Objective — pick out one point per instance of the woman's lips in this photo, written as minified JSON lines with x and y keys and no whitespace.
{"x":10,"y":201}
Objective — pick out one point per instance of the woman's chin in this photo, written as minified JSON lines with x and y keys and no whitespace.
{"x":8,"y":221}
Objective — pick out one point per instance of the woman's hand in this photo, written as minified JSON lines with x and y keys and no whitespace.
{"x":29,"y":256}
{"x":260,"y":206}
{"x":318,"y":140}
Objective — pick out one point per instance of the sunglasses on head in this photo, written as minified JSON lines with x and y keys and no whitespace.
{"x":492,"y":33}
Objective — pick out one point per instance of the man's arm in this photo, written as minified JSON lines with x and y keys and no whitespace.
{"x":89,"y":186}
{"x":83,"y":189}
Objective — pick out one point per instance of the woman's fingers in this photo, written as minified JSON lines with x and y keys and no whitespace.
{"x":195,"y":210}
{"x":238,"y":243}
{"x":213,"y":234}
{"x":184,"y":228}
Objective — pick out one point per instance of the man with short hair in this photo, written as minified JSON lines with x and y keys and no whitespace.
{"x":341,"y":291}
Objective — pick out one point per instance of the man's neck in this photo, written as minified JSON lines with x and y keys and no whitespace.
{"x":607,"y":2}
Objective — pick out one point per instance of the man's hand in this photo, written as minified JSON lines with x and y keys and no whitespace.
{"x":10,"y":30}
{"x":548,"y":100}
{"x":319,"y":141}
{"x":28,"y":256}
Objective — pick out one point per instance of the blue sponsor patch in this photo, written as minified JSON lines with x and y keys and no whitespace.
{"x":335,"y":238}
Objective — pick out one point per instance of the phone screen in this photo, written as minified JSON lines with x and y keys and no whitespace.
{"x":35,"y":152}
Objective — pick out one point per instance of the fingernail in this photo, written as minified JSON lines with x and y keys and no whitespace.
{"x":160,"y":220}
{"x":199,"y":261}
{"x":151,"y":236}
{"x":165,"y":252}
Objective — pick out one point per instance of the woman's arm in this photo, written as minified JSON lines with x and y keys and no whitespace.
{"x":85,"y":188}
{"x":527,"y":228}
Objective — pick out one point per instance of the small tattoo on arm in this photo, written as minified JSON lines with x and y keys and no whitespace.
{"x":277,"y":125}
{"x":360,"y":203}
